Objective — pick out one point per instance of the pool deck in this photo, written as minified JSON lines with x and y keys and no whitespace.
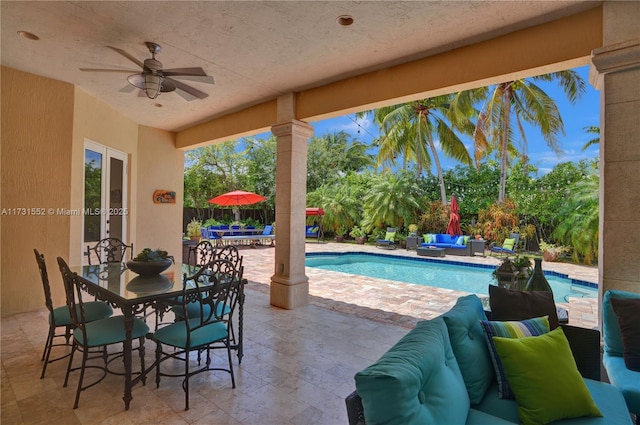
{"x":395,"y":302}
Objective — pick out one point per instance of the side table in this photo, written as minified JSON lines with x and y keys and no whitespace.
{"x":412,"y":242}
{"x":477,"y":246}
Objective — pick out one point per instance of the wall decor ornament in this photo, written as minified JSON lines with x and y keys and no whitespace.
{"x":162,"y":196}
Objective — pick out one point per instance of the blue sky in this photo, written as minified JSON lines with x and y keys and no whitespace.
{"x":586,"y":112}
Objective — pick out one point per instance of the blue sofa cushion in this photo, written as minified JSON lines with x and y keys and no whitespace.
{"x":611,"y":329}
{"x":625,"y":380}
{"x":417,"y":381}
{"x":469,"y":346}
{"x":607,"y":398}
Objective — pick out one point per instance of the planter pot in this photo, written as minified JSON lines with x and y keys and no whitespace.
{"x":339,"y":238}
{"x":148,"y":268}
{"x":195,"y":238}
{"x":360,"y":240}
{"x":549,"y":256}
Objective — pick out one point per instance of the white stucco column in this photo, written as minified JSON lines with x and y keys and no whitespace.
{"x":617,"y":76}
{"x":289,"y":284}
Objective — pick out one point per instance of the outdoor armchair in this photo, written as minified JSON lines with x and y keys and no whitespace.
{"x":509,"y":246}
{"x":389,"y":239}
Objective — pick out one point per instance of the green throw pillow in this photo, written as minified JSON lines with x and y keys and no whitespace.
{"x":389,"y":236}
{"x":510,"y":329}
{"x":509,"y":243}
{"x":544,"y":378}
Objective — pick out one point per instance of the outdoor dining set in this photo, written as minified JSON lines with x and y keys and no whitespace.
{"x":187,"y":310}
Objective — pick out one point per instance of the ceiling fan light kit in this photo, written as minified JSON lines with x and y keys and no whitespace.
{"x":153,"y":80}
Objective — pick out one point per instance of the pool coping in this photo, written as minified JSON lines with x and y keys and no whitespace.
{"x":577,"y":282}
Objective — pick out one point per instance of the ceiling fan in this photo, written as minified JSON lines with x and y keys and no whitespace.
{"x":154,"y":80}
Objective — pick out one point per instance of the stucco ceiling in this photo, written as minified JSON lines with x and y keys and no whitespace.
{"x":255,"y":51}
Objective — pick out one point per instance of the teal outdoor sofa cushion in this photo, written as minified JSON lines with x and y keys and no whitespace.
{"x":626,"y":380}
{"x":417,"y":381}
{"x":469,"y":346}
{"x":421,"y":381}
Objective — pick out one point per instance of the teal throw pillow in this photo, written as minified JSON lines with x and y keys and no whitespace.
{"x":417,"y":381}
{"x":469,"y":345}
{"x":460,"y":241}
{"x":510,"y":329}
{"x":545,"y":379}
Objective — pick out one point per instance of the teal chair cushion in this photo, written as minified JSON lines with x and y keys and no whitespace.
{"x":417,"y":381}
{"x":611,"y":329}
{"x":94,"y":310}
{"x":110,"y":331}
{"x":176,"y":334}
{"x":469,"y":345}
{"x":193,"y":310}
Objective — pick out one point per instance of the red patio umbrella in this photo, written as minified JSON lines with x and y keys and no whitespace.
{"x":454,"y":219}
{"x":237,"y":197}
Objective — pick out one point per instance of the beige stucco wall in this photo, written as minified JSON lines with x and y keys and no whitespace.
{"x":158,"y":166}
{"x":44,"y":126}
{"x":37,"y":116}
{"x":619,"y":83}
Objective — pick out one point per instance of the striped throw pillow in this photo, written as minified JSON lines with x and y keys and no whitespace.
{"x":512,"y":329}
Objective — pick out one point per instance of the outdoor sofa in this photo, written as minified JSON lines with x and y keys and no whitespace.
{"x":453,"y":245}
{"x":442,"y":372}
{"x":621,"y":340}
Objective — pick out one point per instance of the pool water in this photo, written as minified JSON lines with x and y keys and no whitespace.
{"x":472,"y":278}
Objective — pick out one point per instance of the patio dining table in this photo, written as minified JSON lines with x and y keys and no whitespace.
{"x":133,"y":295}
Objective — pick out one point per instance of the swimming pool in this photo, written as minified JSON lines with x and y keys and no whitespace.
{"x":466,"y":277}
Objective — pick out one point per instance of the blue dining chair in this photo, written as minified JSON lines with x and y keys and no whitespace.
{"x":212,"y":290}
{"x":92,"y":338}
{"x":59,"y":317}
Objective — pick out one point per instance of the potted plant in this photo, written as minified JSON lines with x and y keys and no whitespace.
{"x":550,"y":252}
{"x":522,"y":263}
{"x":358,"y":234}
{"x":194,"y":229}
{"x":413,"y":230}
{"x":150,"y":261}
{"x":340,"y":232}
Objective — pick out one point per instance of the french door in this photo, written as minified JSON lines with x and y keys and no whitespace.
{"x":105,"y":194}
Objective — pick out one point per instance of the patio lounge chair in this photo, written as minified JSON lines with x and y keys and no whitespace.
{"x":313,"y":231}
{"x":509,"y":245}
{"x":389,"y":239}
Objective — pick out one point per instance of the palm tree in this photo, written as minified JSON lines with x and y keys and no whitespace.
{"x":408,"y":130}
{"x":595,"y":130}
{"x":524,"y":101}
{"x":579,"y":218}
{"x":393,"y":200}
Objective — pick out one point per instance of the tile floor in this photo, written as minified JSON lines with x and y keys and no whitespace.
{"x":298,"y":365}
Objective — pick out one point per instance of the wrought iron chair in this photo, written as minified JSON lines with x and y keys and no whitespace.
{"x":60,"y":317}
{"x":108,"y":250}
{"x":213,"y":290}
{"x":92,"y":338}
{"x":204,"y":252}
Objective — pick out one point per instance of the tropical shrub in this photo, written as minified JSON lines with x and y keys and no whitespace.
{"x":435,"y":218}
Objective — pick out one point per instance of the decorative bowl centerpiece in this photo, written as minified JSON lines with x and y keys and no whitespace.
{"x":150,"y":262}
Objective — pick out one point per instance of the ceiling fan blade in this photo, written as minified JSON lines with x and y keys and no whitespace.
{"x":191,"y":90}
{"x":207,"y":80}
{"x":174,"y":72}
{"x":128,"y":56}
{"x":127,"y":89}
{"x":167,"y":86}
{"x":128,"y":71}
